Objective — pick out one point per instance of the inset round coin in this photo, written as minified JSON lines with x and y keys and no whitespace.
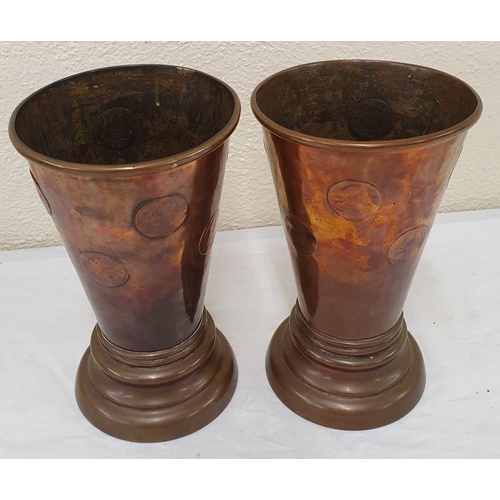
{"x":45,"y":202}
{"x":407,"y":246}
{"x":117,"y":128}
{"x":104,"y":269}
{"x":161,"y":217}
{"x":371,"y":119}
{"x":354,"y":200}
{"x":301,"y":235}
{"x":208,"y":235}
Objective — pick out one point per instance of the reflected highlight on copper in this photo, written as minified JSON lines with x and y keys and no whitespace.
{"x":129,"y":161}
{"x":361,"y":153}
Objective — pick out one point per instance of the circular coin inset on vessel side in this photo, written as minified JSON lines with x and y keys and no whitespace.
{"x":104,"y":269}
{"x":117,"y":128}
{"x":161,"y":217}
{"x":208,"y":235}
{"x":45,"y":202}
{"x":407,"y":246}
{"x":370,"y":120}
{"x":301,"y":235}
{"x":354,"y":200}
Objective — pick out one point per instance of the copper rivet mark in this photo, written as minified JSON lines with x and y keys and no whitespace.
{"x":208,"y":235}
{"x":354,"y":200}
{"x":45,"y":202}
{"x":104,"y":269}
{"x":161,"y":217}
{"x":117,"y":128}
{"x":300,"y":235}
{"x":407,"y":246}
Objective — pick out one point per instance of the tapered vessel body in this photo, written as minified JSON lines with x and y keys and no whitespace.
{"x":361,"y":154}
{"x":129,"y":162}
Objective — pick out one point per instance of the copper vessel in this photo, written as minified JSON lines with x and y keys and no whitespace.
{"x":129,"y":162}
{"x":361,"y":153}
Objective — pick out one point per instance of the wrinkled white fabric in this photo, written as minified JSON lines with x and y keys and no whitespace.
{"x":453,"y":310}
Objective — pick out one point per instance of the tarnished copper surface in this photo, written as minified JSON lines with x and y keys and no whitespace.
{"x":361,"y":154}
{"x":129,"y":162}
{"x":157,"y":395}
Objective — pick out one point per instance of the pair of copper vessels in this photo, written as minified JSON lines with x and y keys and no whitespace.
{"x":129,"y":163}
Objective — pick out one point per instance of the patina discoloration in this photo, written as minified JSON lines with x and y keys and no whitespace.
{"x":361,"y":153}
{"x":129,"y":161}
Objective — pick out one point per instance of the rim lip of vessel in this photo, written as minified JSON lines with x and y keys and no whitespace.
{"x":164,"y":163}
{"x":323,"y":142}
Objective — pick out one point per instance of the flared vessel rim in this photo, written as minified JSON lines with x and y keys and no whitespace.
{"x":163,"y":163}
{"x":316,"y":141}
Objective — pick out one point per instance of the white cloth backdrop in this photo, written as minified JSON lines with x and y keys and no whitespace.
{"x":453,"y":311}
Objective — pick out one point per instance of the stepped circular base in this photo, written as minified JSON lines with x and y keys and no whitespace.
{"x":156,"y":396}
{"x":344,"y":391}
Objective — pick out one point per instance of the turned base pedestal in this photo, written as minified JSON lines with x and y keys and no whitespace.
{"x":160,"y":395}
{"x":345,"y":384}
